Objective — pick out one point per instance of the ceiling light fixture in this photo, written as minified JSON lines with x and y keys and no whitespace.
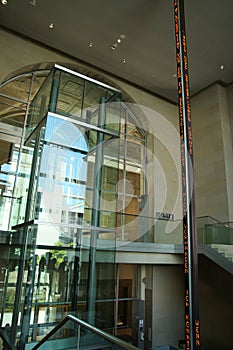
{"x":33,"y":2}
{"x":222,"y":67}
{"x":90,"y":44}
{"x":119,"y":40}
{"x":51,"y":25}
{"x":124,"y":60}
{"x":114,"y":46}
{"x":122,"y":36}
{"x":4,"y":2}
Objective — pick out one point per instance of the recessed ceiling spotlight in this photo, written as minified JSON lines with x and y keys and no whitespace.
{"x":124,"y":60}
{"x":51,"y":25}
{"x":90,"y":44}
{"x":153,"y":75}
{"x":114,"y":46}
{"x":119,"y":40}
{"x":222,"y":67}
{"x":4,"y":2}
{"x":33,"y":2}
{"x":122,"y":36}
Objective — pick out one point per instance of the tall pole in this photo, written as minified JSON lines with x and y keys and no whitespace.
{"x":192,"y":323}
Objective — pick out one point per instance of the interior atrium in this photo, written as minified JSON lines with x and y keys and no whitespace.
{"x":91,"y":201}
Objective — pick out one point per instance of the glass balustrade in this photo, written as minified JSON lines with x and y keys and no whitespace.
{"x":73,"y":333}
{"x":211,"y":231}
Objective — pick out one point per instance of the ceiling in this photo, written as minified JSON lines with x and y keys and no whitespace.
{"x":146,"y":56}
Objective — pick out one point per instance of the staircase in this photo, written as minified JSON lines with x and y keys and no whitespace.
{"x":224,"y":250}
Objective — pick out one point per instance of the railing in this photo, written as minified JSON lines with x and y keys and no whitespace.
{"x":7,"y":343}
{"x":217,"y":236}
{"x":213,"y":231}
{"x":66,"y":334}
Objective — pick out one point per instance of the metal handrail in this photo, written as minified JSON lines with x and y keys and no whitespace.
{"x":7,"y":344}
{"x":89,"y":327}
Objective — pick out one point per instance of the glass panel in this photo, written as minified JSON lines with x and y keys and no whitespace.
{"x":18,"y":88}
{"x":113,"y":114}
{"x":5,"y":211}
{"x":219,"y":233}
{"x":12,"y":112}
{"x":18,"y":278}
{"x":21,"y":187}
{"x":66,"y":133}
{"x":40,"y":104}
{"x":201,"y":227}
{"x":8,"y":175}
{"x":134,"y":152}
{"x":74,"y":336}
{"x":133,"y":128}
{"x":93,"y":94}
{"x":70,"y":97}
{"x":124,"y":322}
{"x":128,"y":291}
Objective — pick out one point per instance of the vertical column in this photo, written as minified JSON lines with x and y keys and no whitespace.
{"x":54,"y":92}
{"x":91,"y":294}
{"x":192,"y":324}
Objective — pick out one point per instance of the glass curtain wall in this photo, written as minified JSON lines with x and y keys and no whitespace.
{"x":15,"y":163}
{"x":74,"y":187}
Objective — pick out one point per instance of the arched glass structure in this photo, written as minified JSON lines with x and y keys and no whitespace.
{"x":72,"y":185}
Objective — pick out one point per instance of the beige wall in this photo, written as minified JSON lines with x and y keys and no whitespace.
{"x":213,"y":157}
{"x":229,"y":91}
{"x":168,"y":305}
{"x":20,"y":53}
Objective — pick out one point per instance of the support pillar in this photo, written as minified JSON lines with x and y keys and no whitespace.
{"x":91,"y":296}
